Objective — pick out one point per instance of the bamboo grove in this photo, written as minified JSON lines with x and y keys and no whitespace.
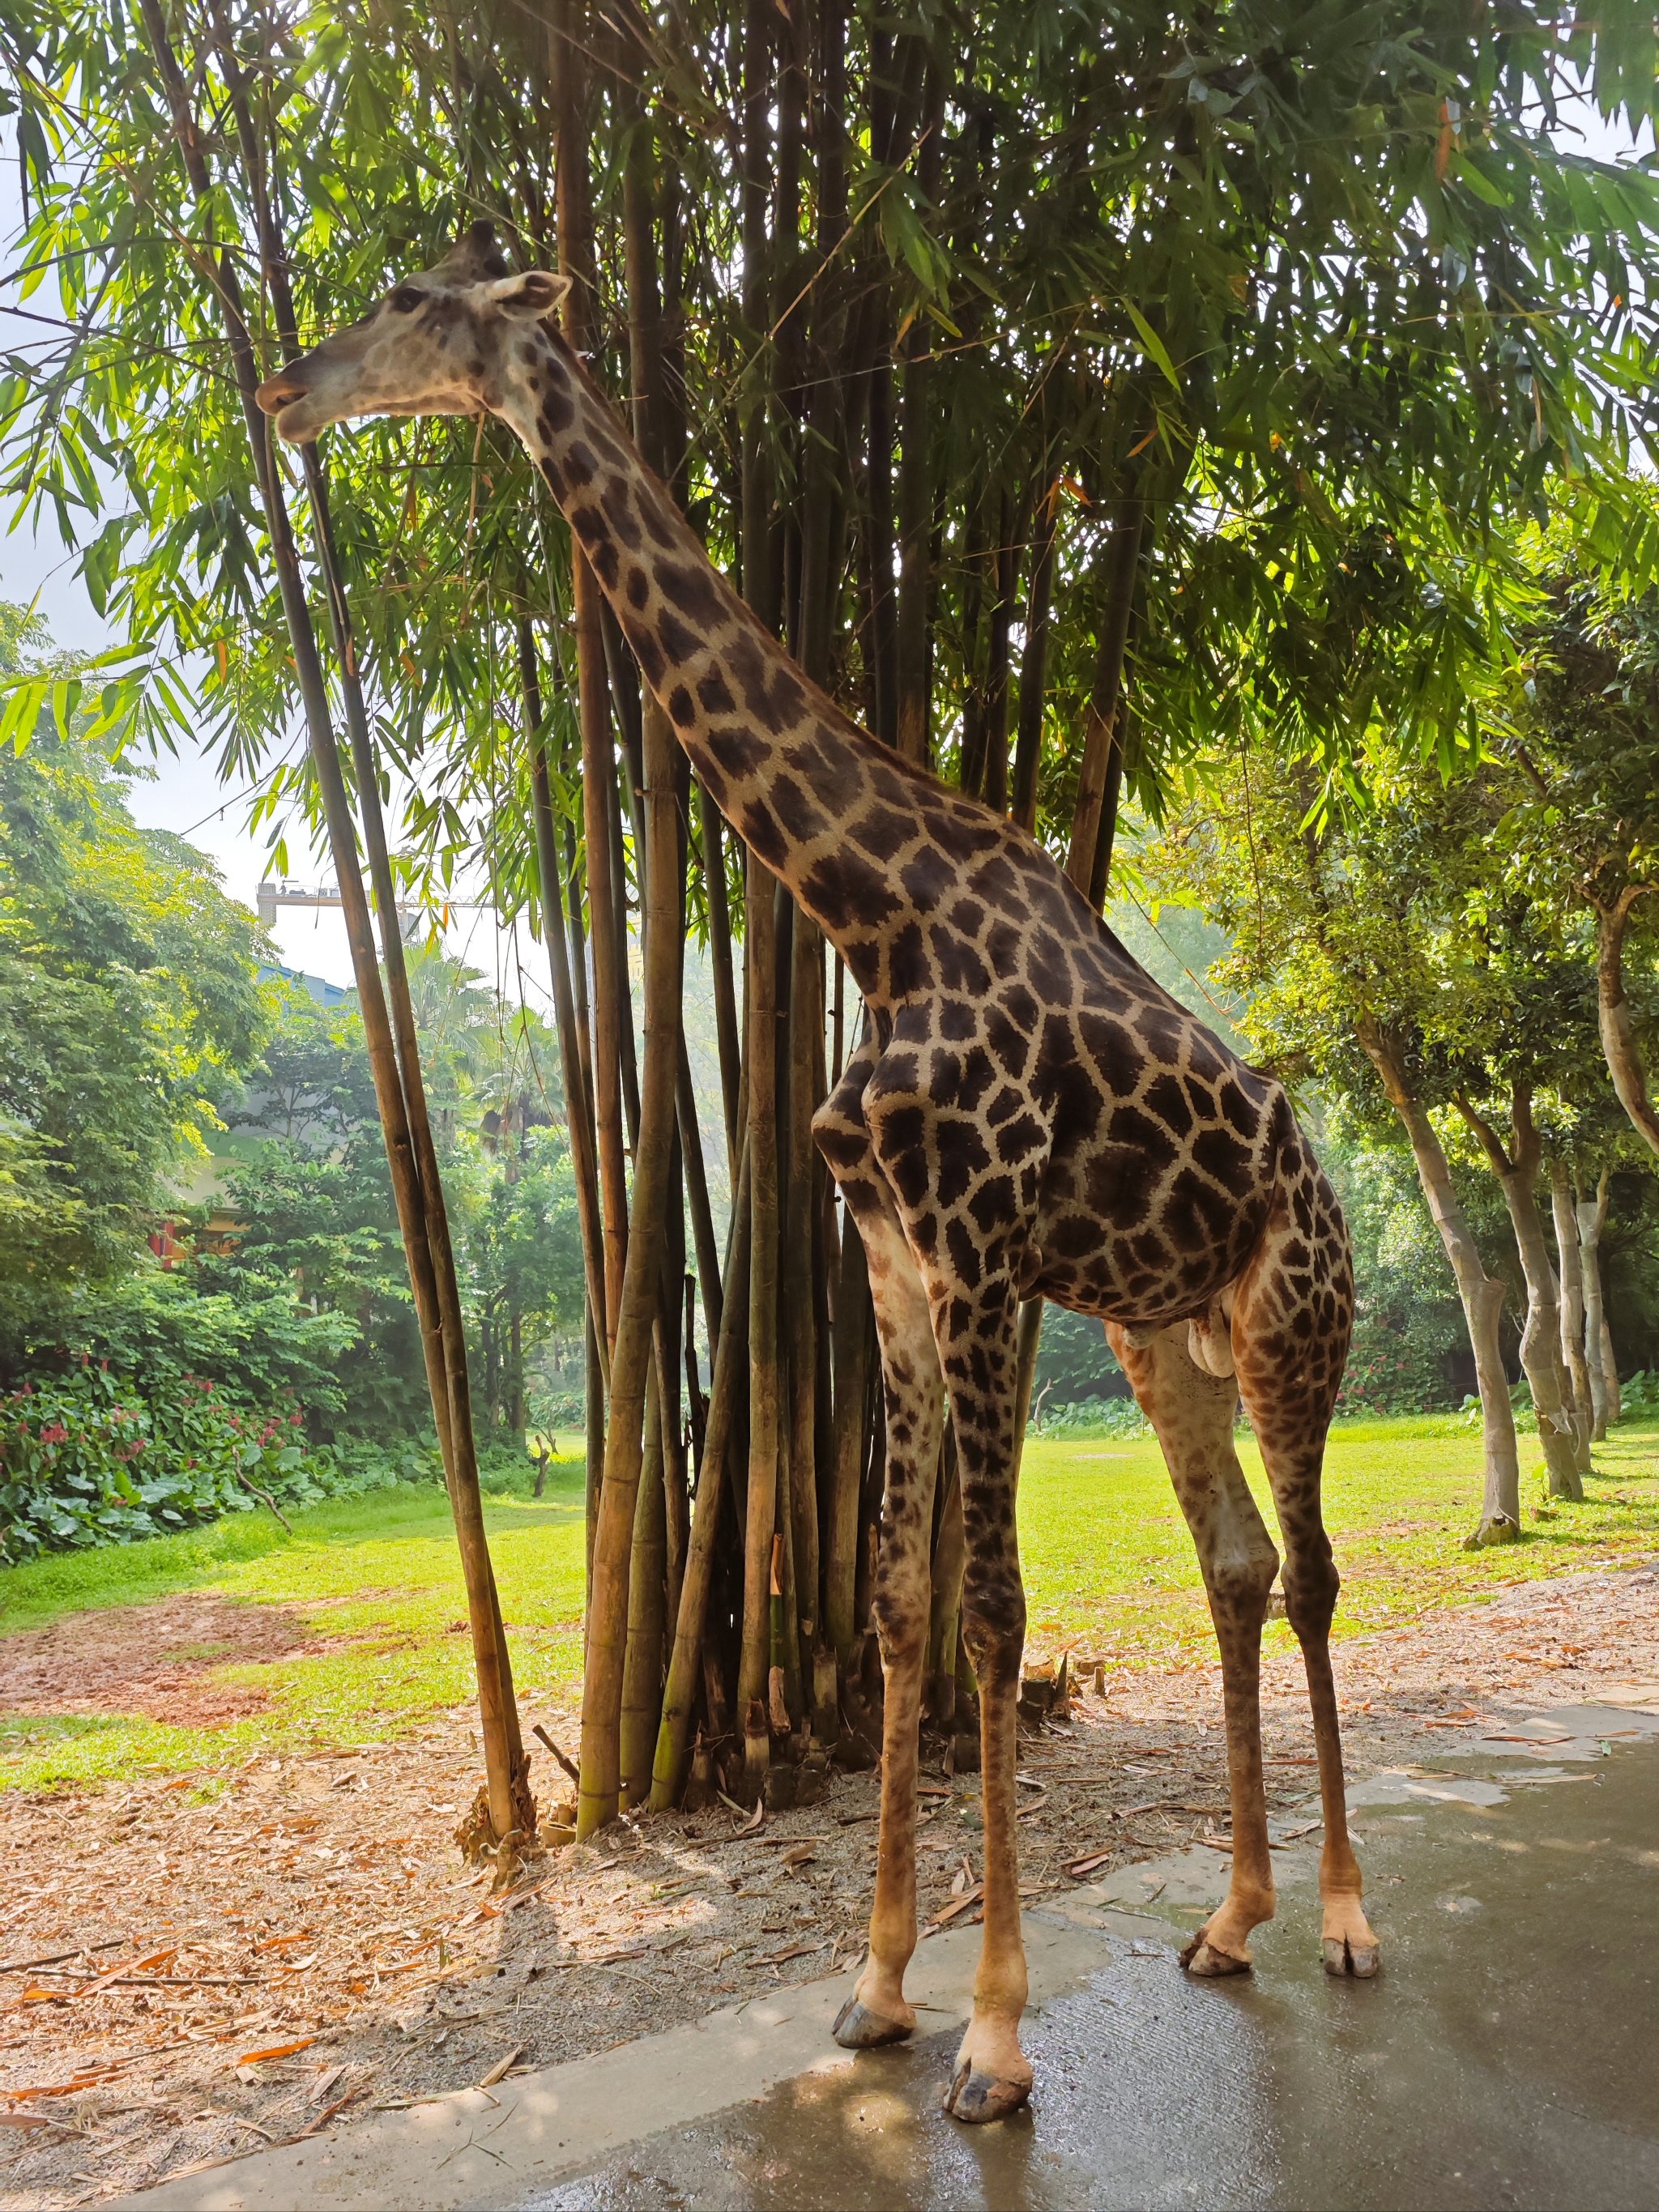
{"x":1072,"y":392}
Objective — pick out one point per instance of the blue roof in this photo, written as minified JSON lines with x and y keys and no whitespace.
{"x":325,"y":994}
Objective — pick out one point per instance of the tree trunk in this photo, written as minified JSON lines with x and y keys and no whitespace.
{"x":1480,"y":1294}
{"x":1613,"y":1012}
{"x":854,"y":1325}
{"x":1598,"y":1339}
{"x":1120,"y":575}
{"x":799,"y":1258}
{"x":724,"y":1393}
{"x":598,"y":772}
{"x":398,"y":1094}
{"x":1034,"y":661}
{"x":608,"y":1615}
{"x":579,"y":1111}
{"x":1011,"y":519}
{"x":1517,"y":1172}
{"x":720,"y":963}
{"x":1571,"y":1277}
{"x":764,"y":1395}
{"x":641,"y":1699}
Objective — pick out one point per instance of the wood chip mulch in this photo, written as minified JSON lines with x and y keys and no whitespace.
{"x":192,"y":1968}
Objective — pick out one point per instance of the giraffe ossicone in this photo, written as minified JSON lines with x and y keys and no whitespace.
{"x":1028,"y":1113}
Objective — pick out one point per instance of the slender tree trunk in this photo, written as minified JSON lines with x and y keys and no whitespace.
{"x":881,"y":653}
{"x":608,"y":1615}
{"x":1571,"y":1276}
{"x":1481,"y":1295}
{"x":725,"y":1394}
{"x":507,"y":1798}
{"x":568,"y":48}
{"x":854,"y":1325}
{"x":1598,"y":1338}
{"x":800,"y":1261}
{"x":764,"y":1395}
{"x":1612,"y":1010}
{"x":720,"y":963}
{"x":1011,"y":518}
{"x":1090,"y":827}
{"x":1034,"y":661}
{"x":641,"y":1699}
{"x":1517,"y":1172}
{"x":577,"y":1105}
{"x":915,"y":477}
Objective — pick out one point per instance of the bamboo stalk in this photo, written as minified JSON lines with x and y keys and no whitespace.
{"x":806,"y":1035}
{"x":1034,"y":661}
{"x":762,"y":1501}
{"x":725,"y":1385}
{"x":598,"y":773}
{"x":1119,"y":576}
{"x":643,"y":1673}
{"x":418,"y":1211}
{"x":578,"y":1105}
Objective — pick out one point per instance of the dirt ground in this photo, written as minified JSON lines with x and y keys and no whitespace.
{"x":191,"y":1967}
{"x":157,"y":1660}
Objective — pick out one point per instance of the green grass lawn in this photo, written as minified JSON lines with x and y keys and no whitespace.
{"x":1107,"y":1565}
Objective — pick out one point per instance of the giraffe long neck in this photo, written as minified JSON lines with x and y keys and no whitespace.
{"x":851,"y":831}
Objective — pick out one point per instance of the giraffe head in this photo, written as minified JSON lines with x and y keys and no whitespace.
{"x":431,"y":347}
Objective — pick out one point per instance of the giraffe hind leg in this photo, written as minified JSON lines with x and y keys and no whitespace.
{"x":1291,"y":1326}
{"x":1191,"y":1406}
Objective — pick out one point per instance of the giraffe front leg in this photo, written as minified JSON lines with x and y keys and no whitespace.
{"x":878,"y":2012}
{"x":993,"y":2075}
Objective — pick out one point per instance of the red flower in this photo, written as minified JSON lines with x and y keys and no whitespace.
{"x":54,"y":1433}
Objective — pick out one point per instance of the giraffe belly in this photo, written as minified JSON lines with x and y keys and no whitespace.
{"x":1130,"y":1247}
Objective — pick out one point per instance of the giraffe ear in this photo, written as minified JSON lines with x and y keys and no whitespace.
{"x":534,"y":294}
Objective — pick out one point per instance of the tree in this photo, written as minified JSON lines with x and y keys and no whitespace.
{"x":128,"y":1008}
{"x":315,"y":1205}
{"x":1581,"y":720}
{"x":1346,"y":985}
{"x":1188,"y":339}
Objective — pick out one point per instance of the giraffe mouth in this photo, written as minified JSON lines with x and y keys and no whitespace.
{"x":291,"y":406}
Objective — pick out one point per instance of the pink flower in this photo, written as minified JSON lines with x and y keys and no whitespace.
{"x":54,"y":1433}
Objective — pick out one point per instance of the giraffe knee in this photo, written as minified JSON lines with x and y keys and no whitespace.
{"x":1311,"y":1588}
{"x":900,"y":1625}
{"x":994,"y":1625}
{"x":1239,"y":1585}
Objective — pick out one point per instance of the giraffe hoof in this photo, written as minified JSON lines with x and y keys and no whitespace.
{"x":858,"y":2028}
{"x":1345,"y":1957}
{"x":974,"y":2096}
{"x":1209,"y":1961}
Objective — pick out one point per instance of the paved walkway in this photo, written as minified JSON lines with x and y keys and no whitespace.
{"x":1505,"y":2057}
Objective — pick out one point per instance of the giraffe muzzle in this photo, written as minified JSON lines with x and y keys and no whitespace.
{"x":284,"y":397}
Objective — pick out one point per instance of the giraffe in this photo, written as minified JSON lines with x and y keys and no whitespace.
{"x":1027,"y":1113}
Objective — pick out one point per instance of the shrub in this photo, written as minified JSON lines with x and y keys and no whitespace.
{"x":1093,"y":1416}
{"x":87,"y":1457}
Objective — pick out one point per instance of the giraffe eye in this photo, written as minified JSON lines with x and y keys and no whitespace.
{"x":406,"y":298}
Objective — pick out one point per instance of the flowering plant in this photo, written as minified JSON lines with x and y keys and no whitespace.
{"x":89,"y":1458}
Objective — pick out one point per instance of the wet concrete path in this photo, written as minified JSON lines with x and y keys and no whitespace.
{"x":1508,"y":2055}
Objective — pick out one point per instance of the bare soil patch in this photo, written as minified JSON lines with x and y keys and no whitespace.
{"x":293,"y":1941}
{"x":158,"y":1660}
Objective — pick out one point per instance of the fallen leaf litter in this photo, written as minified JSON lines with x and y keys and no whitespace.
{"x":194,"y":1966}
